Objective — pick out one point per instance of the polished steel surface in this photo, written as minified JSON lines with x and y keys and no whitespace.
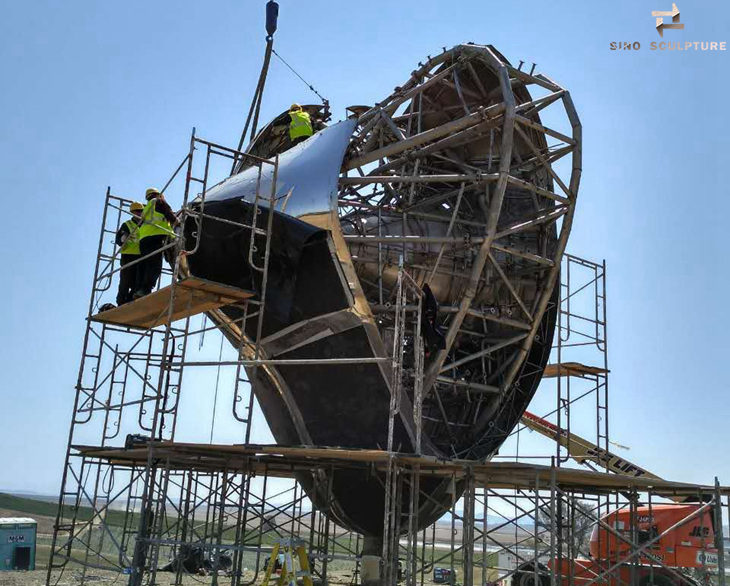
{"x":307,"y":176}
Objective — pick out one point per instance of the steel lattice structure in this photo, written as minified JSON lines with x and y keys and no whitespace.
{"x":455,"y":172}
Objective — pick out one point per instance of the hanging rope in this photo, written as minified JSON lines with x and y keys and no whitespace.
{"x":203,"y":325}
{"x":215,"y":396}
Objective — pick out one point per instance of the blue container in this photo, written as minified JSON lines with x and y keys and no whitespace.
{"x":17,"y":543}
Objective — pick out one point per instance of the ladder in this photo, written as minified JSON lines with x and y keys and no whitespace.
{"x":290,"y":549}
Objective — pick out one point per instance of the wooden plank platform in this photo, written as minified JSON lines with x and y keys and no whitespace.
{"x":192,"y":296}
{"x":287,"y":461}
{"x":572,"y":369}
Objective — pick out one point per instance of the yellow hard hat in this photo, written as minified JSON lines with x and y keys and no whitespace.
{"x":151,"y":191}
{"x":135,"y":206}
{"x":295,"y":106}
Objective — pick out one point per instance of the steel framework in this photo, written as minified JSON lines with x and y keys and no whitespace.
{"x":139,"y":500}
{"x":456,"y":173}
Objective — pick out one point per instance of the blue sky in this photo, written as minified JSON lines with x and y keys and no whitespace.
{"x":106,"y":93}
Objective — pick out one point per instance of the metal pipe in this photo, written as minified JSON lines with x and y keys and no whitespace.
{"x":484,"y":352}
{"x":426,"y":136}
{"x":469,"y":386}
{"x":415,"y":239}
{"x":368,"y":179}
{"x":283,"y":362}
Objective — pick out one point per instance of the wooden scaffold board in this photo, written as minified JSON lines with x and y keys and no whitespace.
{"x":286,"y":461}
{"x":572,"y":369}
{"x":191,"y":296}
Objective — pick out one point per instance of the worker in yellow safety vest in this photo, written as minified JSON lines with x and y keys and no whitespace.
{"x":300,"y":127}
{"x":154,"y":232}
{"x":128,"y":241}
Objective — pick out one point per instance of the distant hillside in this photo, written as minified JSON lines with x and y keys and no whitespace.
{"x":27,"y":506}
{"x":38,"y":496}
{"x":21,"y":506}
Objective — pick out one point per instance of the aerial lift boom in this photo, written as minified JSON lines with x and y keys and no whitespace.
{"x":674,"y":535}
{"x":583,"y":451}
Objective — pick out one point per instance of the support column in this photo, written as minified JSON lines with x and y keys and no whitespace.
{"x":372,"y":549}
{"x":467,"y":540}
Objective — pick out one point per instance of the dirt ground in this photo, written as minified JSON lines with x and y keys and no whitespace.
{"x":69,"y":578}
{"x":38,"y":578}
{"x":105,"y":578}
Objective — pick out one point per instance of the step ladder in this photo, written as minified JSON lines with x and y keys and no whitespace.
{"x":290,"y":550}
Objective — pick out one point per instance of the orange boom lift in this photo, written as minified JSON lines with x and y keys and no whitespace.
{"x":670,"y":537}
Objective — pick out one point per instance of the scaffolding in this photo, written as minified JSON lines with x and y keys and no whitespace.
{"x":141,"y":503}
{"x":131,"y":373}
{"x":574,"y":388}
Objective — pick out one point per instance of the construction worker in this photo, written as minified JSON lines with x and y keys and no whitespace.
{"x":128,"y":240}
{"x":433,"y":337}
{"x":300,"y":127}
{"x":154,"y":232}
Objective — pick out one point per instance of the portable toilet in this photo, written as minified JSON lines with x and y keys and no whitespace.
{"x":17,"y":543}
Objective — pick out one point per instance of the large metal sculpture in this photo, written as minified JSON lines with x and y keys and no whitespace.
{"x":452,"y":179}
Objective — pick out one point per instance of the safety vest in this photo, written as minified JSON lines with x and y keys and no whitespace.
{"x":153,"y":222}
{"x":131,"y":244}
{"x":301,"y":125}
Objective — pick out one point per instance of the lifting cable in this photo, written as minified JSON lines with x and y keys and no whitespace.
{"x":309,"y":85}
{"x":272,"y":15}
